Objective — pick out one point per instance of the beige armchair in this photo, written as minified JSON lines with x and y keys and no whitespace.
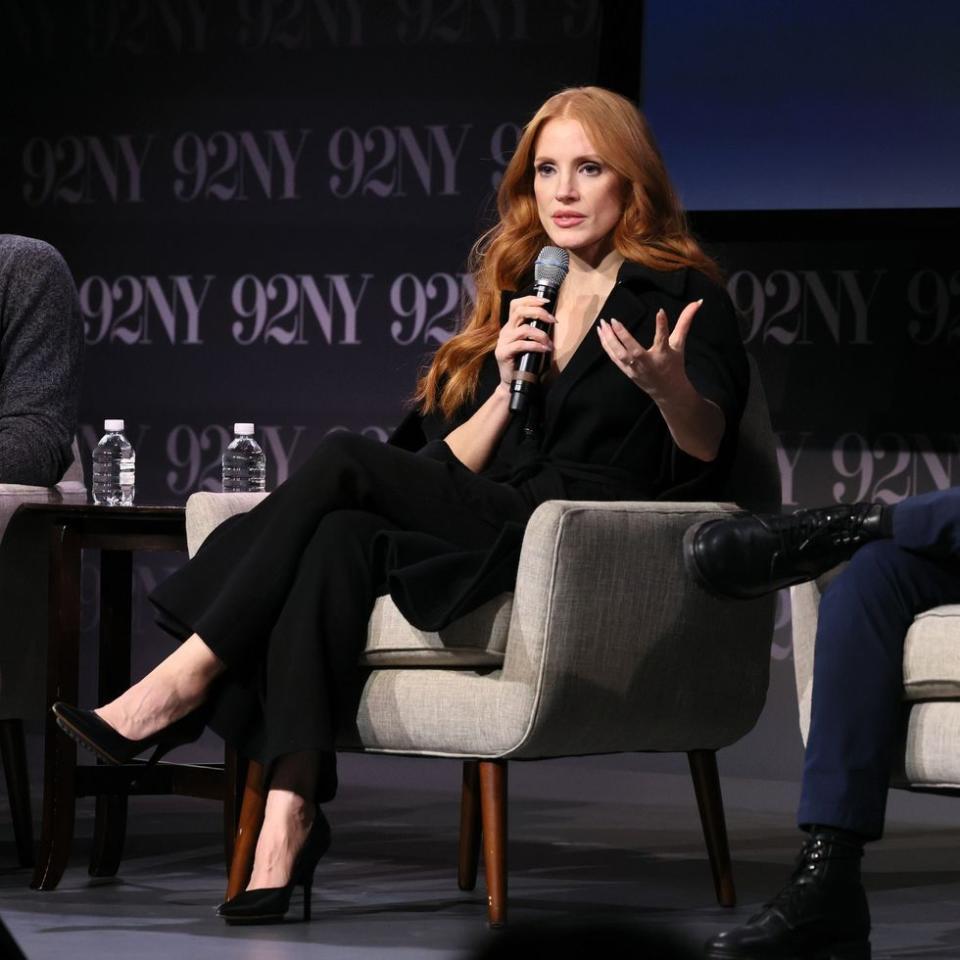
{"x":928,"y":759}
{"x":605,"y":646}
{"x":23,"y":590}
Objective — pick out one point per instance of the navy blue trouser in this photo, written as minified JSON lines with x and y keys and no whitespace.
{"x":858,"y":665}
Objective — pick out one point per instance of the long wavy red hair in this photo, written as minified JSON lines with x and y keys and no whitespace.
{"x":652,"y":231}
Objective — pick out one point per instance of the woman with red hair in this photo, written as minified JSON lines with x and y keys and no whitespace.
{"x":645,"y":381}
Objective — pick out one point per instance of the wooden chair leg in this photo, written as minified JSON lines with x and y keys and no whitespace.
{"x":493,"y":811}
{"x":470,"y":826}
{"x":251,"y":817}
{"x":14,"y":752}
{"x":59,"y":751}
{"x":109,"y":834}
{"x":113,"y":674}
{"x":706,"y":784}
{"x":234,"y":778}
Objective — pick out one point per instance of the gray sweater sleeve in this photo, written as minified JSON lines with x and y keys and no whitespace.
{"x":41,"y":344}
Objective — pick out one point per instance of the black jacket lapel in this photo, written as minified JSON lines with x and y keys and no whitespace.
{"x":627,"y":307}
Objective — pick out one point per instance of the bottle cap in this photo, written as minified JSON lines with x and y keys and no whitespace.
{"x":113,"y":426}
{"x":243,"y":429}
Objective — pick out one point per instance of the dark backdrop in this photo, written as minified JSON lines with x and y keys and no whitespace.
{"x":268,"y":204}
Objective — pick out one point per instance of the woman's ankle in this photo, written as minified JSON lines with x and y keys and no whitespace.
{"x":287,"y":821}
{"x":145,"y":708}
{"x":296,"y":773}
{"x":287,"y":807}
{"x":173,"y":688}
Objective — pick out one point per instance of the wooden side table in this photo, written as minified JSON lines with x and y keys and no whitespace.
{"x":117,"y":532}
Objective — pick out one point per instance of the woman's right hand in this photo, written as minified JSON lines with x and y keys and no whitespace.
{"x":518,"y":336}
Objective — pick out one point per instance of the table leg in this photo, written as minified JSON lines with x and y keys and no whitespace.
{"x":116,"y":611}
{"x":18,"y":786}
{"x":234,"y":778}
{"x":59,"y":752}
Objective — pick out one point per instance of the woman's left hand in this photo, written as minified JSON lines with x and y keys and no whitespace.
{"x":658,"y":370}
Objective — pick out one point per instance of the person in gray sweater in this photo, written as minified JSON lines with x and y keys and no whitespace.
{"x":41,"y":346}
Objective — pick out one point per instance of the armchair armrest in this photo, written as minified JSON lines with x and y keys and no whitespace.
{"x":804,"y":607}
{"x":206,"y":511}
{"x":804,"y":616}
{"x":624,"y":651}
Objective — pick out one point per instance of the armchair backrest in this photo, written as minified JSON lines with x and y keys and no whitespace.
{"x":754,"y":481}
{"x":73,"y":480}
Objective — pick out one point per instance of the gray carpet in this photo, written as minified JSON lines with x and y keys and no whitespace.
{"x":591,"y":839}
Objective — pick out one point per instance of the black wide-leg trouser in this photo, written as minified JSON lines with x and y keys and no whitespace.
{"x":282,"y":594}
{"x":858,"y":662}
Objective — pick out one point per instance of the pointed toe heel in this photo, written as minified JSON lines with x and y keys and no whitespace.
{"x":96,"y":735}
{"x":271,"y":904}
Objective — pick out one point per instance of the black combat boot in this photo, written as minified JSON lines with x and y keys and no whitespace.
{"x":748,"y":556}
{"x":821,"y":914}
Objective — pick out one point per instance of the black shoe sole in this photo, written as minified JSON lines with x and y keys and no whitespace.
{"x":76,"y":735}
{"x":852,"y":950}
{"x":256,"y":921}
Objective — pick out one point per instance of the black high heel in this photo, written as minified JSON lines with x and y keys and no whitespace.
{"x":97,"y":735}
{"x":270,"y":904}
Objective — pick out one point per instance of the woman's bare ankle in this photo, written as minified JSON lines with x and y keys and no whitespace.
{"x":175,"y":687}
{"x":287,"y":820}
{"x":144,"y":709}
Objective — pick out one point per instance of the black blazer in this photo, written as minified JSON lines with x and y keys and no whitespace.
{"x":596,"y":435}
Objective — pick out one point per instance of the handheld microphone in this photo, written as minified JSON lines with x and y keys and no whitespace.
{"x":549,"y":272}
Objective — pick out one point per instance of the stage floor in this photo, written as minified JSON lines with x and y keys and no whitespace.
{"x":593,"y":838}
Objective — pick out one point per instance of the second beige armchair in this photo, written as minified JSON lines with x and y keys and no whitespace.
{"x":928,"y":759}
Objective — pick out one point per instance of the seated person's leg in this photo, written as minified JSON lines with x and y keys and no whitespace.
{"x":857,"y":688}
{"x":750,"y":555}
{"x":929,"y":523}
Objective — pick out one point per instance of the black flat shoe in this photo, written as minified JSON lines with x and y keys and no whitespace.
{"x":97,"y":735}
{"x":270,"y":904}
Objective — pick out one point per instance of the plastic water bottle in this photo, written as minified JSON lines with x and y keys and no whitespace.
{"x":114,"y":467}
{"x":244,"y":466}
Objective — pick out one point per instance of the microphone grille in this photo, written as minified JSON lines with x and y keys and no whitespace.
{"x":551,"y":266}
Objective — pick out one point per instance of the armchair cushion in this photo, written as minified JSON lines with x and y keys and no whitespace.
{"x":931,"y":655}
{"x":929,"y":757}
{"x":476,"y":641}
